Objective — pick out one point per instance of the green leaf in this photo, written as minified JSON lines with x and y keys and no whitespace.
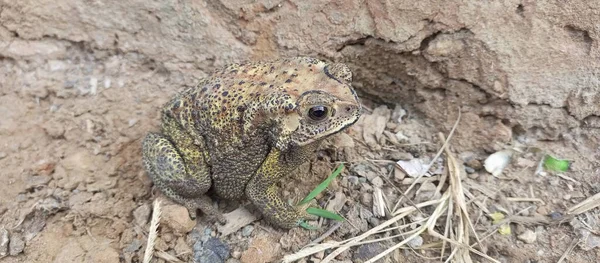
{"x":324,"y":213}
{"x":504,"y":230}
{"x":496,"y":217}
{"x":322,"y":185}
{"x":307,"y":226}
{"x":557,"y":165}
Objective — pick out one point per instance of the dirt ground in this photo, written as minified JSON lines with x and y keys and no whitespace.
{"x":81,"y":82}
{"x":73,"y":189}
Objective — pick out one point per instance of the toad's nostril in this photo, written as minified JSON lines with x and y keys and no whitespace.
{"x":348,"y":109}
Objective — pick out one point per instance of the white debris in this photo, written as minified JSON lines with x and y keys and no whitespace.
{"x":496,"y":162}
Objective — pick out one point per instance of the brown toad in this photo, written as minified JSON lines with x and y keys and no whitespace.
{"x":245,"y":127}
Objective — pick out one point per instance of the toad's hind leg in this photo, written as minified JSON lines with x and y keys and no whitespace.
{"x":179,"y":172}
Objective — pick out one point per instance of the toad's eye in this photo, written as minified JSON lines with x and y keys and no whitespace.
{"x":318,"y":113}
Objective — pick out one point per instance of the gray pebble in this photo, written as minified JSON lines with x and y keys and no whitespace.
{"x":373,"y":221}
{"x":202,"y":254}
{"x":141,"y":215}
{"x":469,"y":170}
{"x":3,"y":243}
{"x":134,"y":246}
{"x":555,"y":215}
{"x":247,"y":230}
{"x":367,"y":251}
{"x":213,"y":250}
{"x":353,"y":179}
{"x":16,"y":245}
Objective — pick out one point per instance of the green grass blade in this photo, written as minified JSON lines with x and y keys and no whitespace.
{"x":307,"y":226}
{"x":322,"y":185}
{"x":324,"y":213}
{"x":557,"y":165}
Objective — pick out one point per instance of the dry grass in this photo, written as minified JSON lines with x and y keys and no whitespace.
{"x":152,"y":232}
{"x":452,"y":203}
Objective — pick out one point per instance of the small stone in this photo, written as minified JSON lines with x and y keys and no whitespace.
{"x":320,"y":254}
{"x":3,"y":155}
{"x":54,"y":129}
{"x":37,"y":181}
{"x":16,"y":245}
{"x":177,"y":218}
{"x":132,"y":122}
{"x":543,"y":210}
{"x":399,"y":175}
{"x":236,"y":254}
{"x":216,"y":245}
{"x":367,"y":251}
{"x":373,"y":221}
{"x":528,"y":236}
{"x":416,"y":242}
{"x":591,"y":242}
{"x":567,"y":197}
{"x":475,"y":164}
{"x":202,"y":254}
{"x":523,"y":162}
{"x":469,"y":170}
{"x":182,"y":248}
{"x":141,"y":215}
{"x":366,"y":199}
{"x":3,"y":243}
{"x":555,"y":215}
{"x":134,"y":246}
{"x":377,"y":181}
{"x":261,"y":249}
{"x":247,"y":230}
{"x":352,"y":179}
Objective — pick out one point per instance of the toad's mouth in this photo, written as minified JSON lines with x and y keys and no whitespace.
{"x":318,"y":134}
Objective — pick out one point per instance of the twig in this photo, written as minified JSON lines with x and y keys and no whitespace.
{"x":569,"y":249}
{"x":524,"y":199}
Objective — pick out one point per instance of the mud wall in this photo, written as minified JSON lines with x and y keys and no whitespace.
{"x":512,"y":67}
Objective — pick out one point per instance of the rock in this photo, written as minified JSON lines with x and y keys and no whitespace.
{"x":202,"y":254}
{"x":469,"y":170}
{"x":555,"y":215}
{"x":337,"y":203}
{"x":36,"y":181}
{"x":133,"y":246}
{"x":236,"y":254}
{"x":591,"y":242}
{"x":261,"y":249}
{"x":377,"y":181}
{"x":399,"y":175}
{"x":3,"y":155}
{"x":212,"y":250}
{"x":177,"y":218}
{"x":141,"y":215}
{"x":367,"y":251}
{"x":3,"y":243}
{"x":182,"y":248}
{"x":247,"y":230}
{"x":16,"y":245}
{"x":528,"y":236}
{"x":416,"y":242}
{"x":366,"y":199}
{"x":352,"y":179}
{"x":54,"y":129}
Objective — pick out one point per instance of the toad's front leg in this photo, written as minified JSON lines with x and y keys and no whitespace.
{"x":264,"y":194}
